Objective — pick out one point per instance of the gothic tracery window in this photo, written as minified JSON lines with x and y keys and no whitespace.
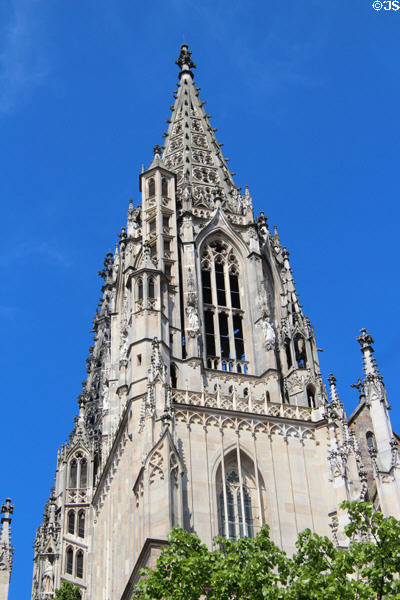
{"x":223,"y":314}
{"x":78,"y":471}
{"x":239,"y":500}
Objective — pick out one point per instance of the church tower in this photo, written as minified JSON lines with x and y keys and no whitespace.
{"x":204,"y":405}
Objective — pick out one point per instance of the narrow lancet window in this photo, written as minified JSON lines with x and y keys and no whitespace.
{"x":152,"y":187}
{"x":164,"y":186}
{"x":300,"y":350}
{"x":151,"y":289}
{"x":83,"y":478}
{"x":71,"y":522}
{"x":79,"y":564}
{"x":140,"y":289}
{"x":81,"y":524}
{"x":73,"y":473}
{"x":69,"y":561}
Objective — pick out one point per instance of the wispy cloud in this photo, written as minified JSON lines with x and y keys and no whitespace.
{"x":23,"y":64}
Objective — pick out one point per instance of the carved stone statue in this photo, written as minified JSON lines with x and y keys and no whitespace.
{"x":48,"y":577}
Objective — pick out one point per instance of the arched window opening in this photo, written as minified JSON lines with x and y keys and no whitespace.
{"x":81,"y":524}
{"x":69,"y":561}
{"x":164,"y":186}
{"x":151,"y":288}
{"x":267,"y":396}
{"x":140,"y":289}
{"x":300,"y":350}
{"x":288,"y":353}
{"x":239,"y":501}
{"x":83,"y":477}
{"x":71,"y":521}
{"x":152,"y":187}
{"x":79,"y":564}
{"x":173,"y":376}
{"x":371,"y":443}
{"x":246,"y":392}
{"x":223,"y":320}
{"x":311,"y":396}
{"x":73,"y":473}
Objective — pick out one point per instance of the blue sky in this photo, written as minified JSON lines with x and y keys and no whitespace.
{"x":305,"y":96}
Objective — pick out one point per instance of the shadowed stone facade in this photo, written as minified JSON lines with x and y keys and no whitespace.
{"x":204,"y":404}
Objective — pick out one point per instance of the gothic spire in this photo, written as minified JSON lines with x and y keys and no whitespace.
{"x":191,"y":149}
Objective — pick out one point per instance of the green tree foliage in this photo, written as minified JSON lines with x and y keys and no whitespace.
{"x":68,"y":591}
{"x":256,"y":569}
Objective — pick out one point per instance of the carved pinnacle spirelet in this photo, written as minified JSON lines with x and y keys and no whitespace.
{"x":184,"y":59}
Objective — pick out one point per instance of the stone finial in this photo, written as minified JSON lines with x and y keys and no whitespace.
{"x":184,"y":60}
{"x":157,"y":150}
{"x":366,"y":340}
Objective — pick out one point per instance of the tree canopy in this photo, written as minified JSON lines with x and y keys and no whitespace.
{"x":256,"y":569}
{"x":68,"y":591}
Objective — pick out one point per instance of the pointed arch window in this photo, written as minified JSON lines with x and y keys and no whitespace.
{"x":83,"y":477}
{"x":79,"y":565}
{"x":151,"y":288}
{"x":69,"y":561}
{"x":73,"y":473}
{"x":300,"y":351}
{"x":81,"y":524}
{"x":140,"y":289}
{"x":71,"y":521}
{"x":311,"y":395}
{"x":152,"y":187}
{"x":371,"y":443}
{"x":164,"y":186}
{"x":240,"y":496}
{"x":223,"y":314}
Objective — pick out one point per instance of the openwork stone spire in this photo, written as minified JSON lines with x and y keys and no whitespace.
{"x":192,"y":152}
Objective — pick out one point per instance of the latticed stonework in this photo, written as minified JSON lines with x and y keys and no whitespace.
{"x":204,"y":404}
